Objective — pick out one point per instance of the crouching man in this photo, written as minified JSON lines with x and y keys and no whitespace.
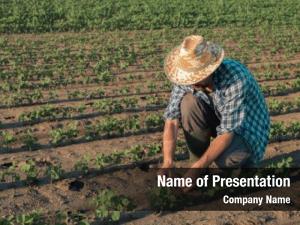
{"x":213,"y":97}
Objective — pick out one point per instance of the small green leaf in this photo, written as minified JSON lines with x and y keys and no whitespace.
{"x":115,"y":216}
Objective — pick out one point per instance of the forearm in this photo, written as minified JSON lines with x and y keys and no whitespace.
{"x":169,"y":141}
{"x":217,"y":146}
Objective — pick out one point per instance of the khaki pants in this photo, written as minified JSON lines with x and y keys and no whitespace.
{"x":199,"y":124}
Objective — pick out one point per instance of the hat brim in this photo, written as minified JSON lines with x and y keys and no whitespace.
{"x":182,"y":77}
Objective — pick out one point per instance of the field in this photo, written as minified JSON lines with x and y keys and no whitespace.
{"x":81,"y":114}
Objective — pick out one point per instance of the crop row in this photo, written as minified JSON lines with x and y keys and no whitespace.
{"x":246,"y":36}
{"x":109,"y":106}
{"x":80,"y":70}
{"x":13,"y":172}
{"x":106,"y":77}
{"x":98,"y":78}
{"x":283,"y":131}
{"x":65,"y":56}
{"x":47,"y":79}
{"x":107,"y":127}
{"x":99,"y":107}
{"x":31,"y":170}
{"x":281,"y":106}
{"x":107,"y":208}
{"x":281,"y":88}
{"x":57,"y":56}
{"x":95,"y":67}
{"x":24,"y":98}
{"x":38,"y":97}
{"x":76,"y":132}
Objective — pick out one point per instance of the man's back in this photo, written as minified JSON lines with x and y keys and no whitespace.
{"x":239,"y":102}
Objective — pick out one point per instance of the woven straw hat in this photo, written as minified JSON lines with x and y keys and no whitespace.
{"x":192,"y":61}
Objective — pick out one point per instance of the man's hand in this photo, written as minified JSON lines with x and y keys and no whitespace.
{"x":214,"y":150}
{"x":165,"y":169}
{"x":193,"y":173}
{"x":167,"y":165}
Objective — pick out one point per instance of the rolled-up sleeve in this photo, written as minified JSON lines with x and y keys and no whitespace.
{"x":173,"y":109}
{"x":234,"y":107}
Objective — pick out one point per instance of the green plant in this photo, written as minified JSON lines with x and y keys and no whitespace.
{"x":30,"y":169}
{"x":7,"y":138}
{"x":105,"y":76}
{"x":133,"y":123}
{"x":54,"y":172}
{"x":29,"y":219}
{"x":10,"y":172}
{"x":29,"y":140}
{"x":152,"y":87}
{"x":130,"y":102}
{"x":277,"y":129}
{"x":9,"y":220}
{"x":60,"y":135}
{"x":135,"y":153}
{"x":109,"y":205}
{"x":102,"y":160}
{"x":162,"y":199}
{"x":153,"y":149}
{"x":61,"y":218}
{"x":283,"y":163}
{"x":154,"y":120}
{"x":83,"y":164}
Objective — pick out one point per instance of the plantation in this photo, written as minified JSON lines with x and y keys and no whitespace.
{"x":81,"y":111}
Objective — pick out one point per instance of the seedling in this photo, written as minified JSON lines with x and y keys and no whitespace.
{"x":102,"y":160}
{"x":83,"y":164}
{"x":29,"y":140}
{"x":30,"y":169}
{"x":283,"y":163}
{"x":62,"y":134}
{"x":153,"y":121}
{"x":54,"y":172}
{"x":32,"y":218}
{"x":9,"y":173}
{"x":162,"y":199}
{"x":109,"y":205}
{"x":7,"y":138}
{"x":135,"y":153}
{"x":153,"y":149}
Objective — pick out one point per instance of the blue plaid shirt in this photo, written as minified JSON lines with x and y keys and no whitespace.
{"x":237,"y":101}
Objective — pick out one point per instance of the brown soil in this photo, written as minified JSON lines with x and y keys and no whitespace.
{"x":51,"y":197}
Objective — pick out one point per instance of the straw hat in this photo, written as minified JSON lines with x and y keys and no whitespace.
{"x":192,"y":61}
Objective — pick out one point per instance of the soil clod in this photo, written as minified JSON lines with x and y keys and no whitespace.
{"x":76,"y":185}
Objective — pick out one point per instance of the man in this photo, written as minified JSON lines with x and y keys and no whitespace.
{"x":213,"y":97}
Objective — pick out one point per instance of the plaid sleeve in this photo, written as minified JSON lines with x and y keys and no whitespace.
{"x":173,"y":109}
{"x":233,"y":110}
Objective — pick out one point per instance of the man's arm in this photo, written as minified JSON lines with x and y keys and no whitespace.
{"x":169,"y":142}
{"x":217,"y":146}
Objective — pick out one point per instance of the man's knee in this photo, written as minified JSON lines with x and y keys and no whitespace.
{"x":235,"y":160}
{"x":236,"y":155}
